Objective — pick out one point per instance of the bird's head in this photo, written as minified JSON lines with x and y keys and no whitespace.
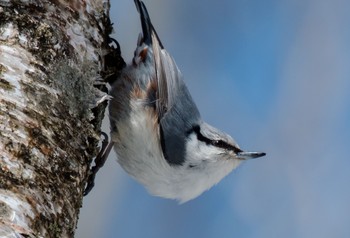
{"x":210,"y":156}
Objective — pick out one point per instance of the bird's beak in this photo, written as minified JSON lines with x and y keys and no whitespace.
{"x":249,"y":155}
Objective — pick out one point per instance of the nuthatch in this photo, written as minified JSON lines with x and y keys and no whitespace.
{"x":157,"y":131}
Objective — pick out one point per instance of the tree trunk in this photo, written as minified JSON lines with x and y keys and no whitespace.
{"x":52,"y":53}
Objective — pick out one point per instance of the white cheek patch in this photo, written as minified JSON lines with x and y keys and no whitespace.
{"x":203,"y":151}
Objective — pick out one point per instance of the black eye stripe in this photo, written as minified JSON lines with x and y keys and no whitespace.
{"x":216,"y":143}
{"x":220,"y":143}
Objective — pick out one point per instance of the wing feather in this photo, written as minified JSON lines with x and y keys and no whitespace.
{"x":177,"y":113}
{"x":176,"y":109}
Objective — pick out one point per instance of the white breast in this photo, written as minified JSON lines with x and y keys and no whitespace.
{"x":139,"y":153}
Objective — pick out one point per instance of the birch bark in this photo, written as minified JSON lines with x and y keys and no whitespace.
{"x":52,"y":55}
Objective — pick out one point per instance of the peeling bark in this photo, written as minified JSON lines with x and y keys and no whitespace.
{"x":52,"y":53}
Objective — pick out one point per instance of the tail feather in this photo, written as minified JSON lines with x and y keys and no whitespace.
{"x":147,"y":27}
{"x":145,"y":22}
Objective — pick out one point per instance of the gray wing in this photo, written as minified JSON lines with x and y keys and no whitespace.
{"x":176,"y":109}
{"x":177,"y":113}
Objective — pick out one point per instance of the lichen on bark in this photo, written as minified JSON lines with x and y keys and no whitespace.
{"x":51,"y":56}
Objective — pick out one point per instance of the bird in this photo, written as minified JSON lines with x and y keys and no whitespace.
{"x":156,"y":129}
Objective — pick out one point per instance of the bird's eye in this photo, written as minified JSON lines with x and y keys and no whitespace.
{"x":216,"y":142}
{"x":219,"y":143}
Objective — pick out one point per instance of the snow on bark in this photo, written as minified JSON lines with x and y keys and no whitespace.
{"x":51,"y":55}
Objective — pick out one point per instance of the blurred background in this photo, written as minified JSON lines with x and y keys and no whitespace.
{"x":274,"y":74}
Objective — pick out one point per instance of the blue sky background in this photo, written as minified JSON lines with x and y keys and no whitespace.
{"x":274,"y":74}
